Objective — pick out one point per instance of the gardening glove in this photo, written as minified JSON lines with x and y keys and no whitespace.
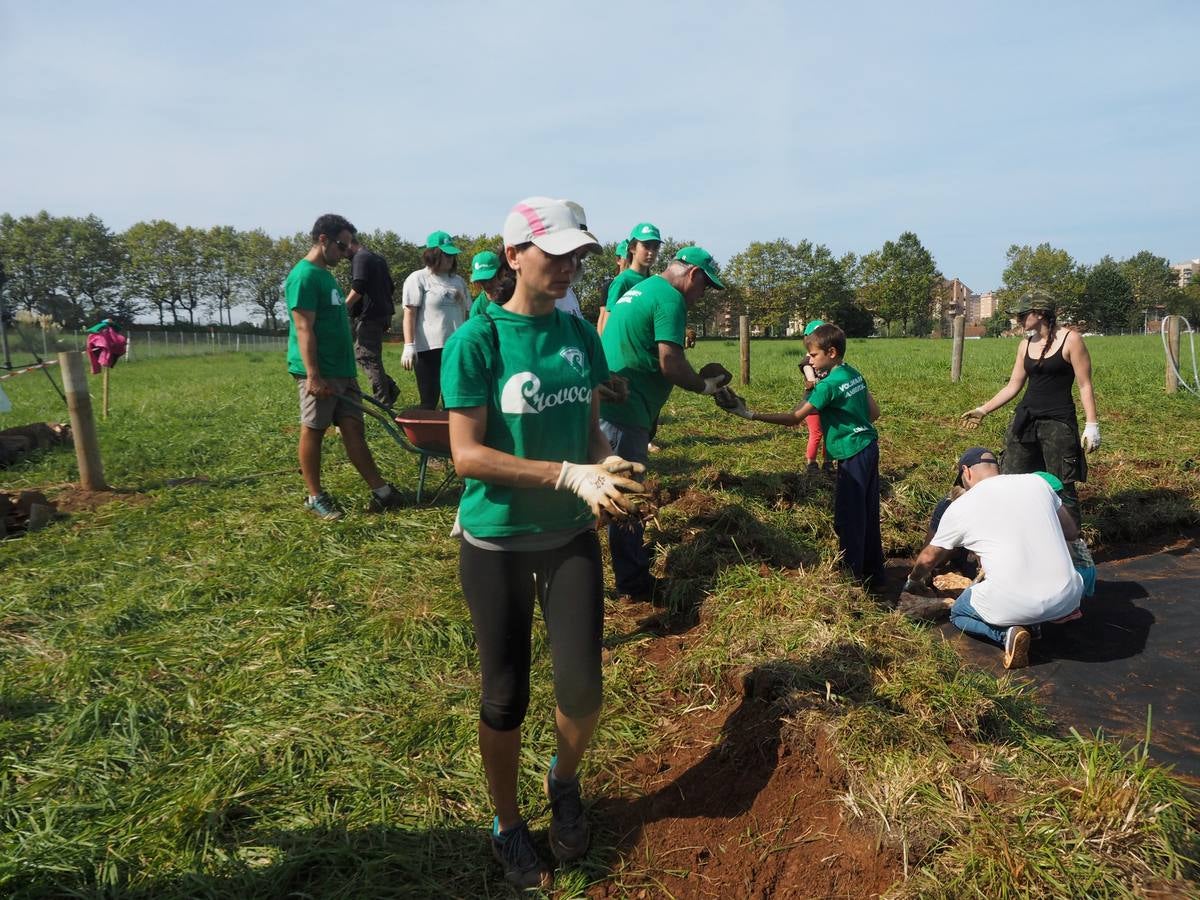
{"x":972,"y":417}
{"x":615,"y":465}
{"x":605,"y":493}
{"x":409,"y":357}
{"x":1091,"y":436}
{"x":732,"y":403}
{"x":715,"y":376}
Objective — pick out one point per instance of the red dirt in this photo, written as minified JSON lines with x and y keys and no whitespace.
{"x":739,"y":806}
{"x":71,"y":498}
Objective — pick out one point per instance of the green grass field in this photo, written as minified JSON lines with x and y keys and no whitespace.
{"x":206,"y":692}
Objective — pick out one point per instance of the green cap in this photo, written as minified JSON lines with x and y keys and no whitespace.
{"x":441,"y":240}
{"x":698,"y":256}
{"x":644,"y":231}
{"x":1052,"y":480}
{"x":1030,"y":300}
{"x":622,"y":249}
{"x":484,"y":266}
{"x":812,"y":326}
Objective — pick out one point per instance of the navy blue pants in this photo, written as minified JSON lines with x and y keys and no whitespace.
{"x":856,"y":513}
{"x":631,"y":562}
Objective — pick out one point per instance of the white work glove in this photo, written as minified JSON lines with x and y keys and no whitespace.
{"x":972,"y":417}
{"x":733,"y":403}
{"x":715,"y":376}
{"x":605,"y":493}
{"x":1091,"y":436}
{"x":615,"y":465}
{"x":409,"y":357}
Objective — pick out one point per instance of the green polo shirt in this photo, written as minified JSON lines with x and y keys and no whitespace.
{"x":648,"y":313}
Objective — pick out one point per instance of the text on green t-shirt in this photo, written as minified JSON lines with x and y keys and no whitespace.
{"x":841,"y":399}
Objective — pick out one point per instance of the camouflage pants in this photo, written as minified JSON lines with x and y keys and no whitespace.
{"x":368,"y":352}
{"x":1046,"y":445}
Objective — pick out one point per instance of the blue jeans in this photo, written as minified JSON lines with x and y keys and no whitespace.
{"x":631,"y":563}
{"x":964,"y":618}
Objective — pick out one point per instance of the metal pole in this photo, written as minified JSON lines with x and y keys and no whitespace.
{"x":956,"y":353}
{"x":83,"y":424}
{"x":1172,"y":326}
{"x":744,"y":335}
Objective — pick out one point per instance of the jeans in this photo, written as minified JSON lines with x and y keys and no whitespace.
{"x":964,"y":618}
{"x":631,"y":562}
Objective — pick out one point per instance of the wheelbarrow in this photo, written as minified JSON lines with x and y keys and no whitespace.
{"x":425,"y":432}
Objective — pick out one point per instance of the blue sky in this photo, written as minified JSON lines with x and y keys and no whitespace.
{"x":976,"y":125}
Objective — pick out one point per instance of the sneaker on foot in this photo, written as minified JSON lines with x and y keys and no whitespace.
{"x":390,"y":501}
{"x":569,"y":831}
{"x":324,"y":506}
{"x":516,"y":854}
{"x":1016,"y":647}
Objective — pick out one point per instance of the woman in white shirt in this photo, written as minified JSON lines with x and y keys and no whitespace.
{"x":436,"y":302}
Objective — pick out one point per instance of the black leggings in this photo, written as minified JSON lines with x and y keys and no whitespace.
{"x":428,"y":369}
{"x":499,"y":587}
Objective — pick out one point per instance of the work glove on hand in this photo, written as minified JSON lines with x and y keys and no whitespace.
{"x":1091,"y":436}
{"x":715,"y":376}
{"x":606,"y":494}
{"x":409,"y":357}
{"x":972,"y":417}
{"x":615,"y":465}
{"x":732,"y":403}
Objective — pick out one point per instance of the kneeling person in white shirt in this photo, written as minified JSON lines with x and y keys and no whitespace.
{"x":1019,"y":529}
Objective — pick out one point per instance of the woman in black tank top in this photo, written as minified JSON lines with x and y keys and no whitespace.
{"x":1044,"y":432}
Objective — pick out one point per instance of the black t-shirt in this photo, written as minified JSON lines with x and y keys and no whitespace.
{"x":370,"y":276}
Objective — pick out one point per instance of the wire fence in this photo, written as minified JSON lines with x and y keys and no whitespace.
{"x":25,"y":341}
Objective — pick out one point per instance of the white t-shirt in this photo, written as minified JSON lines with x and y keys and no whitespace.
{"x":569,"y":303}
{"x":442,"y":304}
{"x":1011,"y":522}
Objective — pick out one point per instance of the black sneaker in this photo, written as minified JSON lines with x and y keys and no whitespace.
{"x":515,"y":852}
{"x":569,"y":831}
{"x":391,"y":501}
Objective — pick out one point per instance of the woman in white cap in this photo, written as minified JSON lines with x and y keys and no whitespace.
{"x":435,"y":304}
{"x":520,"y":383}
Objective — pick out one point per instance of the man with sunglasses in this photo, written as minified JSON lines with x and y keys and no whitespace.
{"x":321,"y":359}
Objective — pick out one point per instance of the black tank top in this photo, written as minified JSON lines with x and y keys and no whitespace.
{"x":1050,"y":380}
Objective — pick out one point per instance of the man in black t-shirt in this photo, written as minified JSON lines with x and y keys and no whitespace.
{"x":371,"y":309}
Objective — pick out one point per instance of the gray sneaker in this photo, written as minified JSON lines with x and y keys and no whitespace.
{"x":569,"y":831}
{"x":1016,"y":647}
{"x":514,"y":850}
{"x":324,"y":506}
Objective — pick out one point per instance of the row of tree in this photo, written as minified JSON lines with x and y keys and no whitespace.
{"x":75,"y":270}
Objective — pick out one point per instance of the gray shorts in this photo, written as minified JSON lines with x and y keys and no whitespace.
{"x":320,"y":413}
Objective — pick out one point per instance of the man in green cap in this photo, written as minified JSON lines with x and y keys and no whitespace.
{"x":641,"y":250}
{"x":643,"y":343}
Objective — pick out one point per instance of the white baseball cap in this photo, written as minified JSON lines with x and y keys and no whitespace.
{"x":555,"y":226}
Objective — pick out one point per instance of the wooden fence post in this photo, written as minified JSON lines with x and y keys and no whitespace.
{"x":83,"y":423}
{"x":956,"y":352}
{"x":1172,"y":326}
{"x":744,"y":338}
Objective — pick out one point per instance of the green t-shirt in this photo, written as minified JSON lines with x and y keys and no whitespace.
{"x":841,"y":399}
{"x":651,"y":312}
{"x":311,"y":287}
{"x":535,"y":375}
{"x":480,"y":304}
{"x":620,"y":285}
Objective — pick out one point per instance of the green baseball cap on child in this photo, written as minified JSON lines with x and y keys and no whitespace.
{"x":644,"y":231}
{"x":622,"y":249}
{"x":698,"y":256}
{"x":812,"y":326}
{"x":441,"y":240}
{"x":484,"y":266}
